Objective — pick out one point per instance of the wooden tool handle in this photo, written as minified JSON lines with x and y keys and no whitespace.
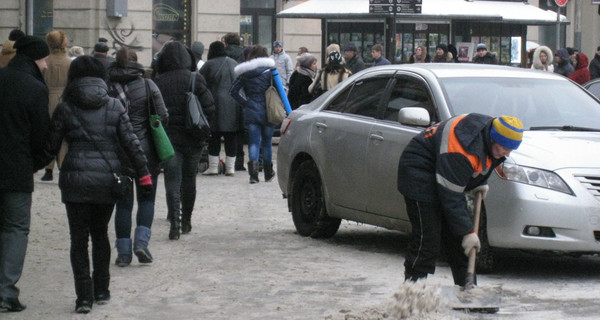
{"x":473,"y":252}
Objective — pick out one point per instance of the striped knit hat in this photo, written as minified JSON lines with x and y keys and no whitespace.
{"x":507,"y":131}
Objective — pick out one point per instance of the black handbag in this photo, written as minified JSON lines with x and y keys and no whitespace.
{"x":122,"y":184}
{"x":196,"y":123}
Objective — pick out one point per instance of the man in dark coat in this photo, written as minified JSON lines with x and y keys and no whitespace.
{"x":353,"y":61}
{"x":563,"y":63}
{"x":233,"y":49}
{"x":101,"y":53}
{"x":483,"y":56}
{"x":595,"y":65}
{"x":436,"y":168}
{"x":24,"y":123}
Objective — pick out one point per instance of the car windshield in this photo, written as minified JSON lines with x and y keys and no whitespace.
{"x":539,"y":103}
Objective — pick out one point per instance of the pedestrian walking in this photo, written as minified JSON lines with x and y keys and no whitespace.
{"x":56,"y":80}
{"x":173,"y":79}
{"x":283,"y":63}
{"x":301,"y":80}
{"x":219,"y":74}
{"x":378,"y":58}
{"x":563,"y":63}
{"x":354,"y":62}
{"x":581,"y":75}
{"x":595,"y":65}
{"x":435,"y":170}
{"x":24,"y":122}
{"x":95,"y":126}
{"x":126,"y":83}
{"x":254,"y":78}
{"x":542,"y":59}
{"x":329,"y":77}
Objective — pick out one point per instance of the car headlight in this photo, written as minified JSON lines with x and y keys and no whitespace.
{"x":536,"y":177}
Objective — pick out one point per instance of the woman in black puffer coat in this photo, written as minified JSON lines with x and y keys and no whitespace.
{"x":219,"y":74}
{"x":126,"y":75}
{"x":174,"y":69}
{"x":94,"y":125}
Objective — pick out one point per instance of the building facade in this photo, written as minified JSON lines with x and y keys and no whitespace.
{"x":145,"y":25}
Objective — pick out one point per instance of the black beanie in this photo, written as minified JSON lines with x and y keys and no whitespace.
{"x":86,"y":66}
{"x":215,"y":50}
{"x":33,"y":47}
{"x":443,"y":47}
{"x":15,"y":34}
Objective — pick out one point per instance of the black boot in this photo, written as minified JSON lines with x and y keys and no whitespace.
{"x":253,"y":171}
{"x":186,"y":223}
{"x":85,"y":296}
{"x":48,"y":175}
{"x":269,"y":173}
{"x":175,"y":230}
{"x":101,"y":292}
{"x":239,"y":163}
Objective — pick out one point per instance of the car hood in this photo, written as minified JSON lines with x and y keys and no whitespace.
{"x":552,"y":150}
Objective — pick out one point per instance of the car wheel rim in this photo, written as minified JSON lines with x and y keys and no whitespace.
{"x":311,"y":200}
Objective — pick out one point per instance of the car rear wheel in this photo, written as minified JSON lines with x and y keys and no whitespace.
{"x":308,"y":205}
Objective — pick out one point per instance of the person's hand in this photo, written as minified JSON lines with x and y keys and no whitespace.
{"x":470,"y":241}
{"x":146,"y":186}
{"x":484,"y":188}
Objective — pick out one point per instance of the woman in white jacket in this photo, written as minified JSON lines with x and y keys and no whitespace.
{"x":542,"y":59}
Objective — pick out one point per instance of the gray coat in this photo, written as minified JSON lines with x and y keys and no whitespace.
{"x":219,"y":76}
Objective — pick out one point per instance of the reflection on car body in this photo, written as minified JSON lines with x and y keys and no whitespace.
{"x":338,"y":156}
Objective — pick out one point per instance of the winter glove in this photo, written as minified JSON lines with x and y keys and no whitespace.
{"x":146,"y":186}
{"x":484,"y":188}
{"x":470,"y":241}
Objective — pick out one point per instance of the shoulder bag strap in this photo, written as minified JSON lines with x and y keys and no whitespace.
{"x":149,"y":98}
{"x":192,"y":83}
{"x":76,"y":113}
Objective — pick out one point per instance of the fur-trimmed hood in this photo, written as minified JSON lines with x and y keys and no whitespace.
{"x":253,"y":64}
{"x":537,"y":64}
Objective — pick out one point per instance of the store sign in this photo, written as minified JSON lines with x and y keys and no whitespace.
{"x":561,"y":3}
{"x":395,"y":6}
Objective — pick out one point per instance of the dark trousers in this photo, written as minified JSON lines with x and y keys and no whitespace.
{"x":15,"y":217}
{"x":430,"y":232}
{"x":214,"y":144}
{"x":145,"y":210}
{"x":85,"y":220}
{"x":180,"y":180}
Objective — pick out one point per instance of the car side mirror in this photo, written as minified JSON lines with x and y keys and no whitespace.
{"x":414,"y":116}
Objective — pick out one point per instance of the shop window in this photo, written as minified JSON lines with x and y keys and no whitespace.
{"x":257,"y":22}
{"x":171,"y":20}
{"x":363,"y":35}
{"x":42,"y":17}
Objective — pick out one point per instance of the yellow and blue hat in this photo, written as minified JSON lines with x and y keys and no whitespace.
{"x":507,"y":131}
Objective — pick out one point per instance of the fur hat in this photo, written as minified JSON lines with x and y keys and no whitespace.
{"x":507,"y":131}
{"x":334,"y":58}
{"x":198,"y":49}
{"x":56,"y":39}
{"x":15,"y":34}
{"x":306,"y":60}
{"x":86,"y":66}
{"x":216,"y":49}
{"x":101,"y":47}
{"x":443,"y":47}
{"x":33,"y":47}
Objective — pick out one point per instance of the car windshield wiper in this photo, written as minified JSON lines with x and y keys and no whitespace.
{"x":565,"y":128}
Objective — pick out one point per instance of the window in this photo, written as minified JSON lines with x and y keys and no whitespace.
{"x":170,"y":20}
{"x":362,"y":99}
{"x":409,"y":92}
{"x":257,"y":22}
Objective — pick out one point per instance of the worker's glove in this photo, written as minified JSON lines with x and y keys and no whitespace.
{"x":470,"y":241}
{"x":484,"y":188}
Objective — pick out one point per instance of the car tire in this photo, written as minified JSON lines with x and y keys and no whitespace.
{"x":485,"y":261}
{"x":308,"y":205}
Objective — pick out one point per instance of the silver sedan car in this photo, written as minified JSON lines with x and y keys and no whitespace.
{"x":338,"y":156}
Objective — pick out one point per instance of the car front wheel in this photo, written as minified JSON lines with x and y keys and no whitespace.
{"x":308,"y":205}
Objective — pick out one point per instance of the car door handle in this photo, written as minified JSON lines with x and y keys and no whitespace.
{"x":321,"y":125}
{"x":377,"y":137}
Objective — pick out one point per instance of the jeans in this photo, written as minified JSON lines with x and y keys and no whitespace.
{"x":430,"y":233}
{"x":145,"y":210}
{"x":85,"y":220}
{"x":15,"y":218}
{"x":180,"y":180}
{"x":260,"y":137}
{"x":214,"y":144}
